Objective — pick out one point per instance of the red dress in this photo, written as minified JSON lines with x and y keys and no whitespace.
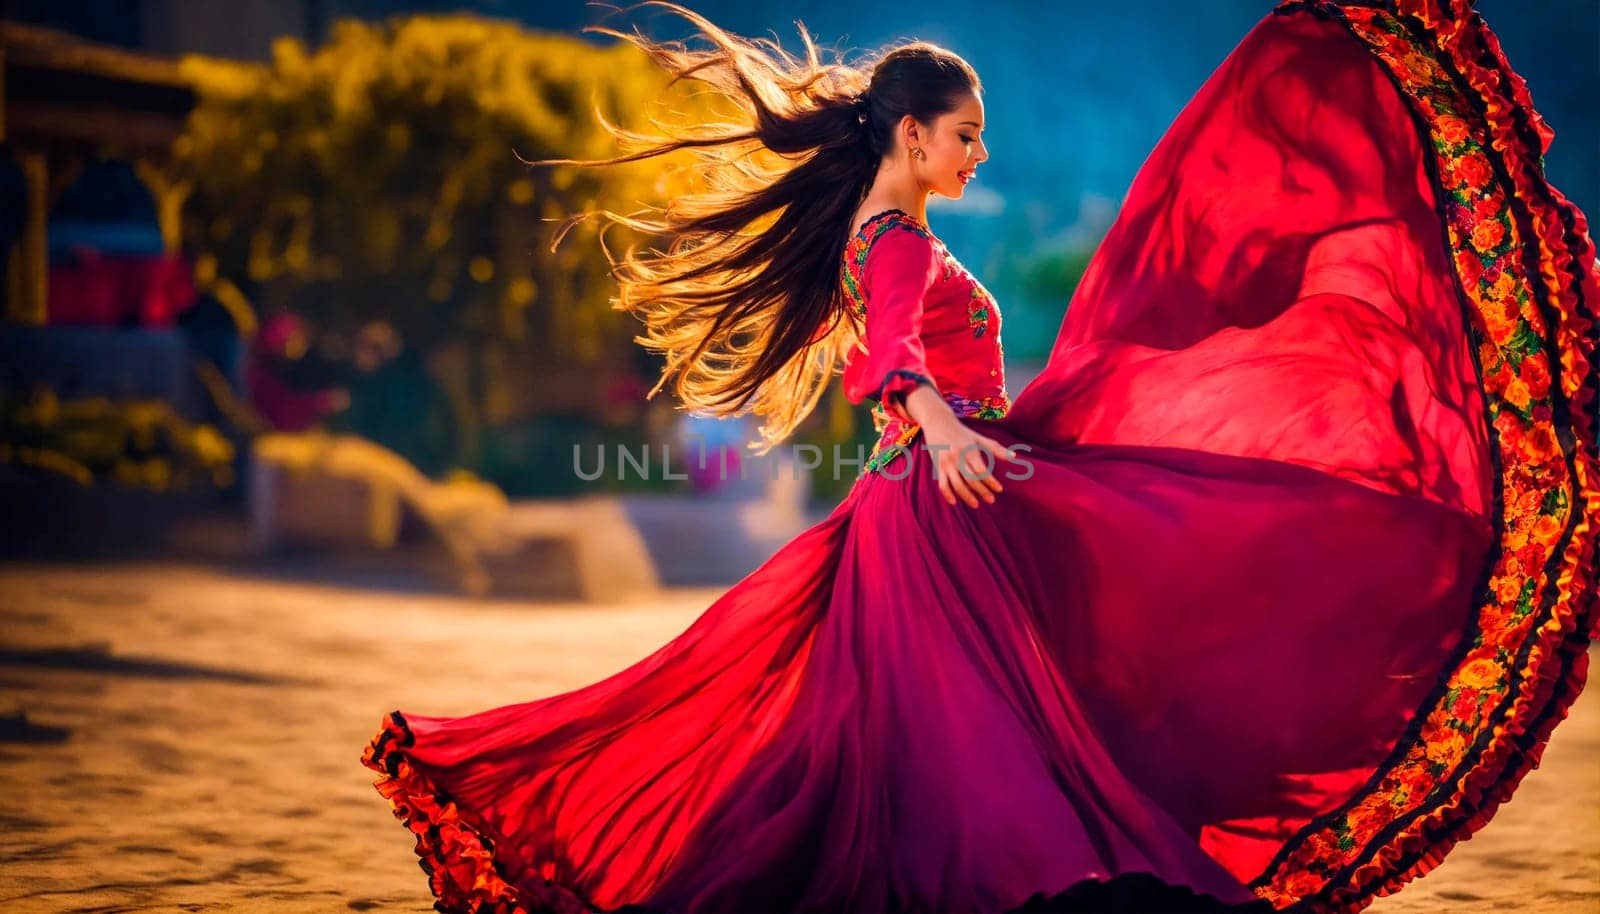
{"x":931,"y":323}
{"x":1300,"y":579}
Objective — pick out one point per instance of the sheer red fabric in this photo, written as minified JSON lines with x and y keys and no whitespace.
{"x":1296,"y":581}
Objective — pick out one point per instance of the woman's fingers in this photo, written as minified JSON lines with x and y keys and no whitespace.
{"x":952,"y":481}
{"x":962,"y":478}
{"x":942,"y":476}
{"x":967,"y":472}
{"x":988,"y":468}
{"x":981,"y":476}
{"x":945,"y":487}
{"x":1000,"y":451}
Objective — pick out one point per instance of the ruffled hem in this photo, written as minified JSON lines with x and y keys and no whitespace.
{"x":466,"y":877}
{"x":1378,"y":841}
{"x":457,"y":854}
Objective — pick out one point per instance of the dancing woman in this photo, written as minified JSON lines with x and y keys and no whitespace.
{"x":1262,"y":595}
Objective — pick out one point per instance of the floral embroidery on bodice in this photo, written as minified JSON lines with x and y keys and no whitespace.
{"x":928,"y":321}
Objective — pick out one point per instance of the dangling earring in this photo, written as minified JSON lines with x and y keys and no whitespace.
{"x":919,"y":153}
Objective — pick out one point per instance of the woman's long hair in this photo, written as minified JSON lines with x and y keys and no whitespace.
{"x":747,"y":302}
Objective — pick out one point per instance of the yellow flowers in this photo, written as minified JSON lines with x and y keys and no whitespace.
{"x":139,"y":443}
{"x":377,"y":177}
{"x":422,"y":111}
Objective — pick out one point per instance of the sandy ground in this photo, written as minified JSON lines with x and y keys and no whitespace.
{"x":215,"y":724}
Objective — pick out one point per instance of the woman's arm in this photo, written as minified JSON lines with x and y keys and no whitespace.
{"x":901,"y":267}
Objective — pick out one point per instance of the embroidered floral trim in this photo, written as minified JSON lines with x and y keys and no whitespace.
{"x":981,"y":408}
{"x":456,"y":853}
{"x":853,"y":271}
{"x":1526,"y":266}
{"x":978,"y":310}
{"x":895,"y":436}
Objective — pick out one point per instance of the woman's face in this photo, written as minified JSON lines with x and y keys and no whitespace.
{"x":954,"y":147}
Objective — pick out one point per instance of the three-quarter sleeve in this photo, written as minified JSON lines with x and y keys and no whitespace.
{"x":902,"y":265}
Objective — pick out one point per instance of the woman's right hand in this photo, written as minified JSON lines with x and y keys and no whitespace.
{"x":959,"y":464}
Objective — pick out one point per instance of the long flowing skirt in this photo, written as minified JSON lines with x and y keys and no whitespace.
{"x":1298,"y":581}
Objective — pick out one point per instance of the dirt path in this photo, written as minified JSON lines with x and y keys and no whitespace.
{"x":216,"y":724}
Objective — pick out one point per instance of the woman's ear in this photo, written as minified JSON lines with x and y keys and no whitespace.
{"x":910,"y":132}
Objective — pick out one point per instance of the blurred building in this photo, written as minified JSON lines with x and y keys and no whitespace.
{"x":103,"y":415}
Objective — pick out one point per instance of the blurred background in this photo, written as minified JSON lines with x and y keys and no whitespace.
{"x":277,"y":280}
{"x":290,"y":382}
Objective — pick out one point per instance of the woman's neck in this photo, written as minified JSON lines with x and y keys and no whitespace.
{"x":897,"y":188}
